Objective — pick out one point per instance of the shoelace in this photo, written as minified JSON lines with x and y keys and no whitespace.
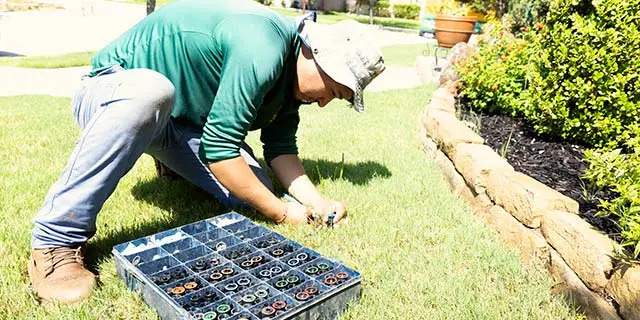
{"x":57,"y":257}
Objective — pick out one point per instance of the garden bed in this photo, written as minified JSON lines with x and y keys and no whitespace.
{"x":559,"y":165}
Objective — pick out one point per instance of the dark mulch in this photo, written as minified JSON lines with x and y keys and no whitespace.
{"x":559,"y":165}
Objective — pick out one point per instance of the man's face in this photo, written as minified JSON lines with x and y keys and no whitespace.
{"x":313,"y":85}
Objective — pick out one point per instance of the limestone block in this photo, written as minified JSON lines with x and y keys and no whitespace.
{"x":476,"y":162}
{"x":449,"y":74}
{"x":442,"y":99}
{"x":461,"y":52}
{"x":455,"y":180}
{"x":624,"y":287}
{"x":570,"y":285}
{"x":526,"y":198}
{"x":428,"y":145}
{"x":586,"y":250}
{"x":447,"y":131}
{"x":531,"y":245}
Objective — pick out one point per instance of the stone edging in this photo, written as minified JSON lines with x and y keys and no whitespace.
{"x":536,"y":220}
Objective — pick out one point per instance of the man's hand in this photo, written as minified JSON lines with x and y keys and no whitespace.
{"x":327,"y":207}
{"x":296,"y":213}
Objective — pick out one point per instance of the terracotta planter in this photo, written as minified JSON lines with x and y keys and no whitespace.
{"x":453,"y":29}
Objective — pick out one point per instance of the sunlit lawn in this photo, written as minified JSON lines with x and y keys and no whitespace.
{"x":422,"y":255}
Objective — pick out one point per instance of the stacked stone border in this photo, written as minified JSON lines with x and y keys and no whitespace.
{"x":539,"y":222}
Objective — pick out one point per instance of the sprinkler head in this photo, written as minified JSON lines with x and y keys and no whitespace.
{"x":267,"y":311}
{"x":220,"y":246}
{"x":216,"y":276}
{"x":293,"y":262}
{"x":190,"y":285}
{"x":200,"y":264}
{"x":279,"y":304}
{"x":227,"y":271}
{"x":209,"y":316}
{"x":275,"y":270}
{"x":323,"y":266}
{"x":248,"y":298}
{"x":244,"y":281}
{"x":342,"y":275}
{"x":261,"y":293}
{"x":311,"y":270}
{"x":223,"y":308}
{"x":179,"y":290}
{"x":231,"y":287}
{"x":264,"y":273}
{"x":311,"y":290}
{"x":277,"y":252}
{"x":293,"y":279}
{"x":281,"y":284}
{"x":330,"y":280}
{"x":302,"y":296}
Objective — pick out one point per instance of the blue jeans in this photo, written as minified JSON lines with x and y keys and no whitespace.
{"x":122,"y":113}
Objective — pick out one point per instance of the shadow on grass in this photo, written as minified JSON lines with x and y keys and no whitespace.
{"x":359,"y":173}
{"x":184,"y":202}
{"x":187,"y":203}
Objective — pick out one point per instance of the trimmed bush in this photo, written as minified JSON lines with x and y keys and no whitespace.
{"x":406,"y":11}
{"x":496,"y":77}
{"x":586,"y":84}
{"x":381,"y":8}
{"x":526,"y":13}
{"x":621,"y":173}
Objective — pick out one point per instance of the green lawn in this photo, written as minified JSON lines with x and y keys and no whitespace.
{"x":405,"y":55}
{"x":422,"y":255}
{"x":43,"y":62}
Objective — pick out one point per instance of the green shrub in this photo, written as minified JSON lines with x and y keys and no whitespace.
{"x":621,"y":173}
{"x":495,"y":78}
{"x":406,"y":11}
{"x":381,"y":9}
{"x":586,"y":84}
{"x":526,"y":13}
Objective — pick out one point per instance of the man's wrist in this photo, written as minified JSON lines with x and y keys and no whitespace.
{"x":284,"y":214}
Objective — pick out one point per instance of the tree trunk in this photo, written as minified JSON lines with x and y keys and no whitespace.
{"x":151,"y":6}
{"x":371,"y":3}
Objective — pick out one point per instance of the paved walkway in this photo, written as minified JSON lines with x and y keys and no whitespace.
{"x":51,"y":32}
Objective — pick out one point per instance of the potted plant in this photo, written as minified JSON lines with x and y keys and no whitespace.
{"x":453,"y":24}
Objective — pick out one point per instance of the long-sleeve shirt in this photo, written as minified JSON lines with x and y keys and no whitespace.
{"x":232,"y":63}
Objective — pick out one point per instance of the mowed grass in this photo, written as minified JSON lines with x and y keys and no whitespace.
{"x":405,"y":55}
{"x":421,"y":253}
{"x":75,"y":59}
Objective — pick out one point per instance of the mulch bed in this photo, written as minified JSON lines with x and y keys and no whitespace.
{"x":557,"y":164}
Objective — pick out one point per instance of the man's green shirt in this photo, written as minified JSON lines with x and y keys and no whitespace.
{"x":232,"y":63}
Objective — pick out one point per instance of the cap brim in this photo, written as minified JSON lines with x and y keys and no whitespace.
{"x":338,"y":72}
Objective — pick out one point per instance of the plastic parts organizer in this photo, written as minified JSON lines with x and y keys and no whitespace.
{"x":227,"y":267}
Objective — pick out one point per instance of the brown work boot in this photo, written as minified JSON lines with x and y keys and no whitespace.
{"x":164,"y":172}
{"x":59,"y":274}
